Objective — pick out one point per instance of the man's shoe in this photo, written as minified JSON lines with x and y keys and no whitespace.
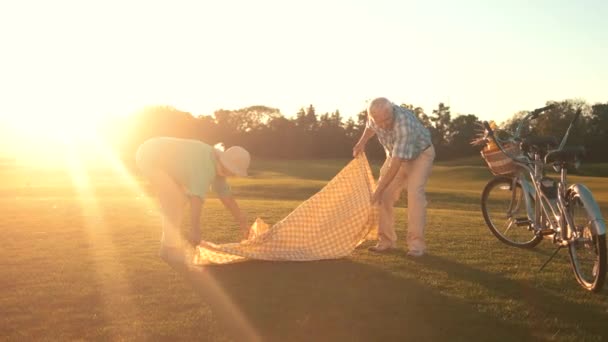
{"x":381,"y":248}
{"x":415,"y":253}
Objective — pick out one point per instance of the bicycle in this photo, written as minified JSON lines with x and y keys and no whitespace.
{"x":522,"y":206}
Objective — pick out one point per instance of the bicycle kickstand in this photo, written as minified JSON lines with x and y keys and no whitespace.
{"x":550,"y":258}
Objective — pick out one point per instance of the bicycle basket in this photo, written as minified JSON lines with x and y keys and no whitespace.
{"x":499,"y":163}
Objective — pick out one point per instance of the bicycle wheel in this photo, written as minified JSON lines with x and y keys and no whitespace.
{"x":587,"y":249}
{"x":502,"y":206}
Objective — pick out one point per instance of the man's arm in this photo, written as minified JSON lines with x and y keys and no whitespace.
{"x":359,"y":148}
{"x":386,"y":179}
{"x":230,"y":204}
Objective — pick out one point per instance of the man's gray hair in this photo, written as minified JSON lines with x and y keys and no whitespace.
{"x":378,"y":104}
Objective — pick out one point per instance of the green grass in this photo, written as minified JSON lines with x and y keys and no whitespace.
{"x":82,"y":264}
{"x":597,"y":169}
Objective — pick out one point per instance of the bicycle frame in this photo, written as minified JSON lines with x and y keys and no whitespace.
{"x":544,"y":213}
{"x":550,"y":213}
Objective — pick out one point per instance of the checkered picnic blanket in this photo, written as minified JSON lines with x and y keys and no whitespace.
{"x":329,"y":225}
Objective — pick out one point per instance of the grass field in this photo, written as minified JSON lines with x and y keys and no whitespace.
{"x":78,"y":261}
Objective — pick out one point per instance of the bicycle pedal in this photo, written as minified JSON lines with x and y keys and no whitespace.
{"x":546,"y":231}
{"x":522,"y":222}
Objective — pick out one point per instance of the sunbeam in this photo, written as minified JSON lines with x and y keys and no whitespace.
{"x":111,"y":276}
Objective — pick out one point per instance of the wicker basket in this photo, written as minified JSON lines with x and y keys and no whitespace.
{"x":499,"y":163}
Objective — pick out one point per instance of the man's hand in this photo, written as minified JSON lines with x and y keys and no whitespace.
{"x":360,"y":146}
{"x":377,"y":196}
{"x":358,"y":149}
{"x":383,"y":183}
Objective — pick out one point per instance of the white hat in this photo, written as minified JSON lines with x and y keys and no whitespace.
{"x":236,"y":159}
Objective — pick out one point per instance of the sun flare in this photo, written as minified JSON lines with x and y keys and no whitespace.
{"x":43,"y":138}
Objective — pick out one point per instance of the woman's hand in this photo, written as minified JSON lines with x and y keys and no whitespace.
{"x":245,"y":230}
{"x":230,"y":203}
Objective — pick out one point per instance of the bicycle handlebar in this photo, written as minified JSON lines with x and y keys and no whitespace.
{"x":542,"y":109}
{"x":576,"y":116}
{"x":488,"y":129}
{"x":532,"y":115}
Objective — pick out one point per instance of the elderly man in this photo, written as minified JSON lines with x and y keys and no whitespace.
{"x":409,"y":157}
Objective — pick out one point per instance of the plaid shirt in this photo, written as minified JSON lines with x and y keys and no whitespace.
{"x":407,"y":138}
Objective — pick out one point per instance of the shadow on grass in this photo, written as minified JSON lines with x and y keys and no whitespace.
{"x":337,"y":300}
{"x":452,"y":201}
{"x":543,"y":304}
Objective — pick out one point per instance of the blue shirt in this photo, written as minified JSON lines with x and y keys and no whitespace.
{"x":191,"y":163}
{"x":407,"y":138}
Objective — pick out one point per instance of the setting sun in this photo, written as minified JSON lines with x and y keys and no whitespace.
{"x":43,"y":136}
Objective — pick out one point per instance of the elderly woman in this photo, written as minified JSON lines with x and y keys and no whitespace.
{"x":182,"y":171}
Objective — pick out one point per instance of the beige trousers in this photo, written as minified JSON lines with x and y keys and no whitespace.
{"x":412,"y":177}
{"x":172,"y":202}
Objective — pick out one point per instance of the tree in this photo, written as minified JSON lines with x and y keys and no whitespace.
{"x":267,"y":133}
{"x":273,"y":140}
{"x":332,"y":140}
{"x":554,"y":122}
{"x":440,"y":128}
{"x":462,"y":130}
{"x":155,"y":121}
{"x":245,"y":119}
{"x":306,"y":119}
{"x":208,"y":129}
{"x":598,"y":132}
{"x":511,"y":124}
{"x":351,"y":130}
{"x":235,"y":125}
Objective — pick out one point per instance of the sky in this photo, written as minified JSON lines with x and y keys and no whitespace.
{"x":83,"y":60}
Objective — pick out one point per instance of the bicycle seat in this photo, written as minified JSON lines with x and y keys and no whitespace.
{"x":567,"y":155}
{"x":541,"y":144}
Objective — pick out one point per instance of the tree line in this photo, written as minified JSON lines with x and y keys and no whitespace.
{"x":267,"y":133}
